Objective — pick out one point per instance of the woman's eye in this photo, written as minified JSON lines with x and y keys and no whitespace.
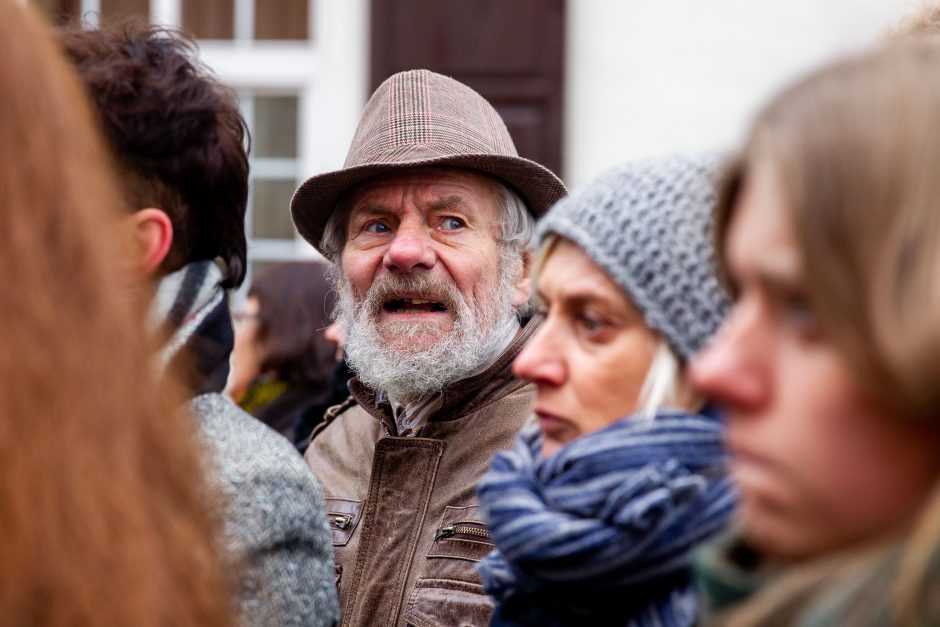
{"x":800,"y":316}
{"x":594,"y":329}
{"x":377,"y":227}
{"x":590,"y":323}
{"x":452,"y":224}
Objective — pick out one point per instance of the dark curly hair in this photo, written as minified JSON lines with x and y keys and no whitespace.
{"x":176,"y":132}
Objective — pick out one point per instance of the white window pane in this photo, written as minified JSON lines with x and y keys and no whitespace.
{"x":275,"y":126}
{"x":270,"y":209}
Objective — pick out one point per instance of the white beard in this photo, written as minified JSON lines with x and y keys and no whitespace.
{"x":406,"y":372}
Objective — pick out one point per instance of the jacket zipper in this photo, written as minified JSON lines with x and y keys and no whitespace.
{"x":451,"y":530}
{"x":340,"y":521}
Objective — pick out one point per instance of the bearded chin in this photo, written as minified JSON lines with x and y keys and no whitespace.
{"x":409,"y":359}
{"x":407,"y":337}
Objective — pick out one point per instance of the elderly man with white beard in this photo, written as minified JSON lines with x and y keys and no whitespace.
{"x":428,"y":225}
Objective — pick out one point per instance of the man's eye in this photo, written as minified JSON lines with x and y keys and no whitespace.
{"x":452,"y":224}
{"x":377,"y":227}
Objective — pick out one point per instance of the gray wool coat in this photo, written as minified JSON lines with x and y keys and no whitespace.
{"x":275,"y":524}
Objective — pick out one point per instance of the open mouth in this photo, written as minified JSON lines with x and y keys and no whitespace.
{"x":413,"y":306}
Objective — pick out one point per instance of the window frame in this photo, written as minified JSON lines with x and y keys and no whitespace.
{"x":335,"y":55}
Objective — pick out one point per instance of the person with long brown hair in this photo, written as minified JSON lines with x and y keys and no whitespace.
{"x":102,"y":507}
{"x":829,"y":364}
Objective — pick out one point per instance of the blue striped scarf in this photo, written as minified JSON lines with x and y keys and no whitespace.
{"x":614,"y":512}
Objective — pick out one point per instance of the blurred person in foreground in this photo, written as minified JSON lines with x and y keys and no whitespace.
{"x":179,"y":138}
{"x":283,"y":363}
{"x":924,"y":20}
{"x":829,"y":364}
{"x":596,"y":510}
{"x":103,"y":510}
{"x":428,"y":225}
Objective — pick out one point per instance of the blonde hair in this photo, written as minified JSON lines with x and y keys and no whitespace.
{"x":856,"y":147}
{"x":665,"y":385}
{"x":102,"y":499}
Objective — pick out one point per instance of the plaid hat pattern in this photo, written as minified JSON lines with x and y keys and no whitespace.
{"x":420,"y":118}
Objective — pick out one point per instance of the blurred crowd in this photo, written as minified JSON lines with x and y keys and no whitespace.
{"x":700,"y":390}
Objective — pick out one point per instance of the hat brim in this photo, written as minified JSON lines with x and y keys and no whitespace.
{"x":315,"y":200}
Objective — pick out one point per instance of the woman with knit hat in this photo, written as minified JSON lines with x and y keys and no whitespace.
{"x":594,"y":512}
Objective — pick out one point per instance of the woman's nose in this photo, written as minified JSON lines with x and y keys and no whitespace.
{"x":731,"y":368}
{"x":541,"y":360}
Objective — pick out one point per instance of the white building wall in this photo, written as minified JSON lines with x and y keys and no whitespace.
{"x":646,"y":77}
{"x":343,"y":30}
{"x":642,"y":77}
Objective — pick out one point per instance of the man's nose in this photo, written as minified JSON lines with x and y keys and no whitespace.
{"x":732,"y":369}
{"x":410,"y":248}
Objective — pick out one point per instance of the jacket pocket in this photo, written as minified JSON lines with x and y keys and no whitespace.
{"x":447,"y":603}
{"x":343,"y":516}
{"x":461,"y":534}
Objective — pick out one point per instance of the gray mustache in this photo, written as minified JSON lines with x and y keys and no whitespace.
{"x":423,"y":286}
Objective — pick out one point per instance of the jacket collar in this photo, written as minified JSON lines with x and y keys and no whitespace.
{"x":461,"y":397}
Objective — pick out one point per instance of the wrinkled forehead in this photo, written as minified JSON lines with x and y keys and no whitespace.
{"x":429,"y":186}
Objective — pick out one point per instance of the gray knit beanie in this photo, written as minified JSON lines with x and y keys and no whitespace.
{"x":648,"y":225}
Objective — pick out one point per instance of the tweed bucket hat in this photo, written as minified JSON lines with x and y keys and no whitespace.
{"x":649,"y":225}
{"x":419,"y":118}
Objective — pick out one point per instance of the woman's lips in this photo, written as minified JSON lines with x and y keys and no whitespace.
{"x":756,"y":474}
{"x":552,"y":425}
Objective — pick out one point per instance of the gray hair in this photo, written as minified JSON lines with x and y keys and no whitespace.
{"x":517,"y":225}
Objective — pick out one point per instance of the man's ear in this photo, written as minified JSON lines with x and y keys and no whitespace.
{"x":151,"y":234}
{"x":524,"y":283}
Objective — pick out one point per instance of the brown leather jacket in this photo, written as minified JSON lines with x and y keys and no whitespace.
{"x":406,"y":526}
